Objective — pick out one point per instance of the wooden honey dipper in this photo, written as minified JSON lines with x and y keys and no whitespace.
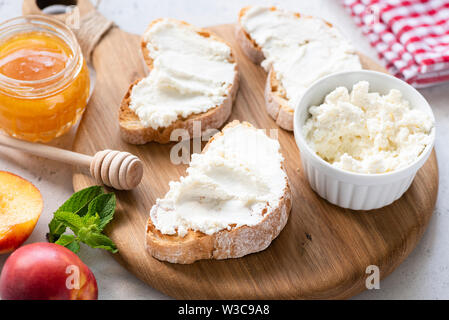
{"x":119,"y":170}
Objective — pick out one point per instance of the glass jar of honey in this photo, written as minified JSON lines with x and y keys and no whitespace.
{"x":44,"y":79}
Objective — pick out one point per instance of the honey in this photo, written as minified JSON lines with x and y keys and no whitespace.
{"x":33,"y":56}
{"x":44,"y":80}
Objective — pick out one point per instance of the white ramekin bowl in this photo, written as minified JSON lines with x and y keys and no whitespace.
{"x":346,"y":189}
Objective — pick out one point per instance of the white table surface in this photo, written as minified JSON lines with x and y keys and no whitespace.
{"x":423,"y":275}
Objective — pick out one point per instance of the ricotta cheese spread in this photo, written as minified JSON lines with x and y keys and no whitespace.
{"x":191,"y":74}
{"x":228,"y":185}
{"x":367,"y":132}
{"x":300,"y":49}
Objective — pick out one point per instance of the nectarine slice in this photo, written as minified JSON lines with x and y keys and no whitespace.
{"x":20,"y":207}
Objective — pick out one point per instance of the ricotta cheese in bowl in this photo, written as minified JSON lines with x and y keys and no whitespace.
{"x":363,"y":135}
{"x":367,"y":132}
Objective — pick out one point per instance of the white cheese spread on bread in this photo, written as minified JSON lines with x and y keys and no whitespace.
{"x":236,"y":182}
{"x":191,"y":74}
{"x":367,"y":132}
{"x":300,"y":49}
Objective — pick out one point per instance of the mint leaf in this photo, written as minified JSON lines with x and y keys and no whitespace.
{"x":97,"y":240}
{"x":57,"y":228}
{"x":77,"y":203}
{"x":70,"y":220}
{"x":104,"y":206}
{"x":70,"y":242}
{"x":74,"y":246}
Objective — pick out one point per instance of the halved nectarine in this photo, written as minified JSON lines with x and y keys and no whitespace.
{"x":20,"y":207}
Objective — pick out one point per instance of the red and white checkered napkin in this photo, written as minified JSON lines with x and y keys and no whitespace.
{"x":412,"y":37}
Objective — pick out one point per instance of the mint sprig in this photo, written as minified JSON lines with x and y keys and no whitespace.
{"x":86,"y":213}
{"x":77,"y":203}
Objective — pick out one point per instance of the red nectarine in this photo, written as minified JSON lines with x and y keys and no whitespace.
{"x":46,"y":271}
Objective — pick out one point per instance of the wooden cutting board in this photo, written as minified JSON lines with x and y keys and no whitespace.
{"x":322,"y":253}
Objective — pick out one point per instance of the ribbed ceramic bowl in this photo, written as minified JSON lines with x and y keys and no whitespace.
{"x":346,"y":189}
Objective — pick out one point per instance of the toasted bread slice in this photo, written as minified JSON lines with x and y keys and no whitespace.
{"x":133,"y":131}
{"x":231,"y":242}
{"x":275,"y":100}
{"x":275,"y":95}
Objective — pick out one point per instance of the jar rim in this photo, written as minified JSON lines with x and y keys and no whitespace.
{"x":19,"y":24}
